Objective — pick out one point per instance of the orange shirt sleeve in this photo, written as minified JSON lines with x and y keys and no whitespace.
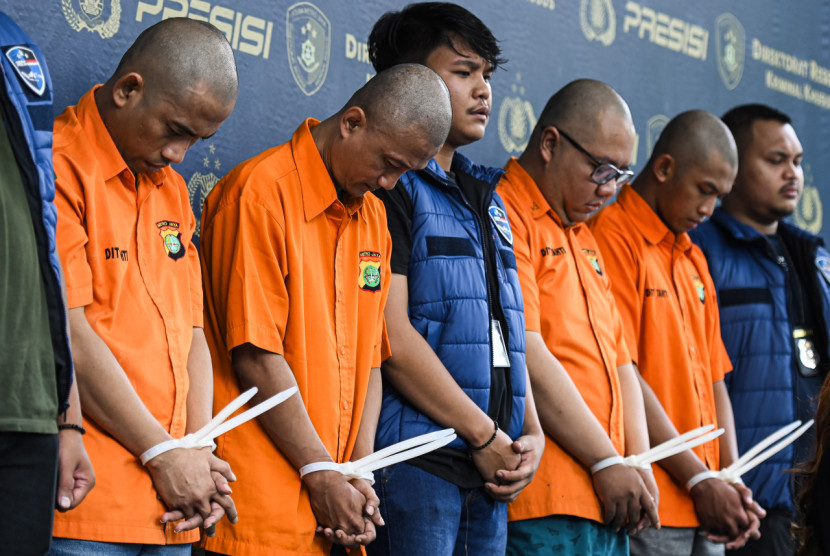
{"x":623,"y":269}
{"x":524,"y":264}
{"x":248,"y":259}
{"x":71,"y":234}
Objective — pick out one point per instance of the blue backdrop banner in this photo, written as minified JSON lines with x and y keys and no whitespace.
{"x":300,"y":59}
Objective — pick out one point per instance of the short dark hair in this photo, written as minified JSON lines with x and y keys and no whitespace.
{"x":410,"y":35}
{"x":740,"y":119}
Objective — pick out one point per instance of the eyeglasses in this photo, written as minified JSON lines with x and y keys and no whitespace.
{"x":605,"y":171}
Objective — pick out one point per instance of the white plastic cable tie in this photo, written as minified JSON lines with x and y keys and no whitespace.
{"x":700,"y":477}
{"x":758,"y":454}
{"x":203,"y":438}
{"x":606,"y":463}
{"x":396,"y":453}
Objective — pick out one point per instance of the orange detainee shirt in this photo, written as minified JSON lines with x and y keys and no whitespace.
{"x":568,"y":300}
{"x":667,"y":301}
{"x":128,"y":259}
{"x":291,"y":270}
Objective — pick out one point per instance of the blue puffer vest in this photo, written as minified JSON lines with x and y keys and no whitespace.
{"x":28,"y":120}
{"x":755,"y":325}
{"x":448,"y":297}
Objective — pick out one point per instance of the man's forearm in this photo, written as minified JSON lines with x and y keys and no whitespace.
{"x":365,"y":443}
{"x":288,"y":424}
{"x":200,"y":375}
{"x":564,"y":415}
{"x":728,"y":441}
{"x":108,"y":396}
{"x":416,"y":371}
{"x":684,"y":465}
{"x":634,"y":413}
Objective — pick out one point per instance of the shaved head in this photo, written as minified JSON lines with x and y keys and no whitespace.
{"x":692,"y":138}
{"x":404,"y":96}
{"x":177,"y":53}
{"x":580,"y":105}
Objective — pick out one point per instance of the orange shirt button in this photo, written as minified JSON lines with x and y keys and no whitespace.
{"x":346,"y":405}
{"x":342,"y":350}
{"x":692,"y":351}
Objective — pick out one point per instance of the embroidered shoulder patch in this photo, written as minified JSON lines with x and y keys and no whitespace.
{"x":499,"y":218}
{"x":823,"y":266}
{"x":28,"y":68}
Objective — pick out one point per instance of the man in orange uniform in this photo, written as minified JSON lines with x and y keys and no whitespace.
{"x":665,"y":296}
{"x":549,"y":192}
{"x":134,"y":290}
{"x":296,"y":268}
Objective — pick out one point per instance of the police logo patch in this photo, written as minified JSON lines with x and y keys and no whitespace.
{"x":701,"y":290}
{"x":823,"y":266}
{"x":499,"y":218}
{"x":592,"y":258}
{"x":28,"y":68}
{"x":171,"y":238}
{"x":369,"y":278}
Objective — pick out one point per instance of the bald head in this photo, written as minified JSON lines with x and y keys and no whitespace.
{"x":404,"y":96}
{"x":692,"y":138}
{"x":578,"y":107}
{"x":177,"y":53}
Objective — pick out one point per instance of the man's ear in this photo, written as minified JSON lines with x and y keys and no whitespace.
{"x":664,"y":167}
{"x":127,"y":89}
{"x":353,"y":120}
{"x":549,"y":141}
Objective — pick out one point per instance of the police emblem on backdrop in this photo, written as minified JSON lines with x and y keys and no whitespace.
{"x":499,"y":218}
{"x":701,"y":291}
{"x":199,"y":185}
{"x":100,"y":16}
{"x":730,"y":46}
{"x":28,"y":68}
{"x":592,"y":258}
{"x":598,"y":20}
{"x":308,"y":36}
{"x":369,"y":278}
{"x":516,"y":119}
{"x":171,"y":238}
{"x":808,"y":212}
{"x":654,"y":127}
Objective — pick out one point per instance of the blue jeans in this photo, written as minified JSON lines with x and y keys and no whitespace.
{"x":425,"y":514}
{"x":76,"y":547}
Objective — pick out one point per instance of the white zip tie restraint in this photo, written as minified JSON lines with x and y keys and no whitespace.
{"x":203,"y":438}
{"x":667,"y":449}
{"x":396,"y":453}
{"x":756,"y":455}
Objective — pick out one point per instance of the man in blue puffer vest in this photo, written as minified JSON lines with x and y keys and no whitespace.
{"x":454,"y":314}
{"x":35,"y":362}
{"x":773,"y":284}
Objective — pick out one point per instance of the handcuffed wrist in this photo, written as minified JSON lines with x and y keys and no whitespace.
{"x":700,"y":477}
{"x":606,"y":463}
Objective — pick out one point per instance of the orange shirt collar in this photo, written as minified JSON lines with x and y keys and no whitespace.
{"x":104,"y":150}
{"x":650,"y":225}
{"x":316,"y":185}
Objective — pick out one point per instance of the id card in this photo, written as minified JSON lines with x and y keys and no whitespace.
{"x":500,"y":358}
